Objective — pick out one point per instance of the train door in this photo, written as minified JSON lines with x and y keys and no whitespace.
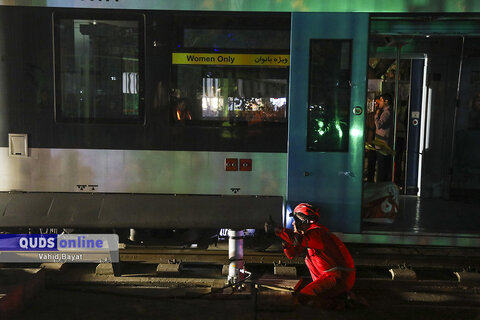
{"x":326,"y":120}
{"x":408,"y":93}
{"x":429,"y":69}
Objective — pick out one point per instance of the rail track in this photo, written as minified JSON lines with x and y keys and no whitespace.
{"x":432,"y":293}
{"x":364,"y":256}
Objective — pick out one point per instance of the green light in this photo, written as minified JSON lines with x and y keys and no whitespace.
{"x":354,"y":132}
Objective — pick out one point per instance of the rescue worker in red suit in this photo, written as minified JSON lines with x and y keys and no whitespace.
{"x":328,"y":260}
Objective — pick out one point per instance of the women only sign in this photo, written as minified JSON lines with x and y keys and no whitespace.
{"x":267,"y":60}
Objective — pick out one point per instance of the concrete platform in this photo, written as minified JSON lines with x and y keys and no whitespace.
{"x":285,"y":271}
{"x":169,"y":268}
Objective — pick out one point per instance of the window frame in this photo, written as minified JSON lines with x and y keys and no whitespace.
{"x":57,"y":16}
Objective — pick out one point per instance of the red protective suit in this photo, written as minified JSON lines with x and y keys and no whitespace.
{"x":327,"y":259}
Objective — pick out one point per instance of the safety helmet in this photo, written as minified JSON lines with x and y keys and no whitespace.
{"x":305,"y":213}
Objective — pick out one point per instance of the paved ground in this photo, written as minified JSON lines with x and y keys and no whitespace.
{"x":388,"y":299}
{"x":75,"y":292}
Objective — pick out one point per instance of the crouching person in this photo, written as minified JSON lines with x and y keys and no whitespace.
{"x":328,"y":260}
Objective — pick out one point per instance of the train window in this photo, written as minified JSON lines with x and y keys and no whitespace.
{"x":211,"y":95}
{"x":329,"y":95}
{"x":230,"y":69}
{"x":98,"y":68}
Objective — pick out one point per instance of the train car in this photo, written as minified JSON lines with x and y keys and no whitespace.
{"x":222,"y":114}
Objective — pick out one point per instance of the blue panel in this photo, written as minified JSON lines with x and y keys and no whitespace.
{"x":330,"y":180}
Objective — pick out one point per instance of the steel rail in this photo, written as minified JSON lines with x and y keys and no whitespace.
{"x":438,"y":258}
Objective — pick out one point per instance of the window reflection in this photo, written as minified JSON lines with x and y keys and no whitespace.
{"x":329,"y":95}
{"x":97,"y":72}
{"x":234,"y":94}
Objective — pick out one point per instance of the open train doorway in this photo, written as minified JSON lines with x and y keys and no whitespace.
{"x":423,"y":72}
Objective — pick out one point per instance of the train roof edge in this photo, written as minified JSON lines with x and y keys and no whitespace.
{"x":370,"y":6}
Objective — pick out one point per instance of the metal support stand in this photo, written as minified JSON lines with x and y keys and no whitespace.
{"x":133,"y":235}
{"x":235,"y":256}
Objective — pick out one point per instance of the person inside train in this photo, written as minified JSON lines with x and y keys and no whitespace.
{"x":383,"y":128}
{"x":330,"y":264}
{"x":181,"y":112}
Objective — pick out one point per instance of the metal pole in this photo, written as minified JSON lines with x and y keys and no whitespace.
{"x":457,"y":102}
{"x":235,"y":256}
{"x":407,"y":133}
{"x":395,"y":106}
